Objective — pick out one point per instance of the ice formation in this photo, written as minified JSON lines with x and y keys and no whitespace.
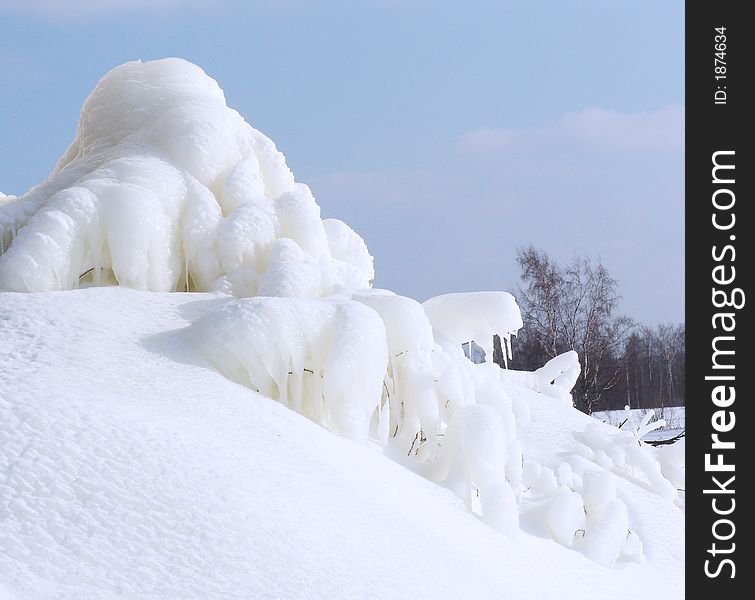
{"x":584,"y":508}
{"x":624,"y":453}
{"x":556,"y":378}
{"x":323,"y":358}
{"x":165,"y":188}
{"x":466,"y":317}
{"x":566,"y":516}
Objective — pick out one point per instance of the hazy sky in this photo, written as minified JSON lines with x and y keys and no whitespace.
{"x":447,"y":133}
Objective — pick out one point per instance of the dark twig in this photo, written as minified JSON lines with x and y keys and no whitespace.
{"x":676,"y":438}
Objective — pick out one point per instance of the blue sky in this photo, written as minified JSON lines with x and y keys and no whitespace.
{"x":447,"y":133}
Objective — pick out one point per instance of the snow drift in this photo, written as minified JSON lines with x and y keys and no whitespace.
{"x":167,"y":189}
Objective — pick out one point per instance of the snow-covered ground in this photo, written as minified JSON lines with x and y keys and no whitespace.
{"x":130,"y":468}
{"x":281,"y":430}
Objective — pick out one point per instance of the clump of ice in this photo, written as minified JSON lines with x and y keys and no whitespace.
{"x":608,"y":533}
{"x":626,"y":454}
{"x":476,"y":316}
{"x":323,"y":358}
{"x":582,"y":511}
{"x":556,"y":378}
{"x":409,"y":394}
{"x":449,"y":415}
{"x":647,"y":425}
{"x":472,"y":462}
{"x":165,"y":188}
{"x":565,"y":516}
{"x":671,"y":458}
{"x":579,"y":505}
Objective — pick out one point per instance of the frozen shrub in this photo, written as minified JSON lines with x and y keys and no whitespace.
{"x":323,"y":358}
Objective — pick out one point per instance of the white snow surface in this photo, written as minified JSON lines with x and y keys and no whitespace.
{"x":130,"y":468}
{"x":147,"y":449}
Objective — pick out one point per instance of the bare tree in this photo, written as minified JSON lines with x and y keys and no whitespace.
{"x":540,"y":300}
{"x":573,"y":307}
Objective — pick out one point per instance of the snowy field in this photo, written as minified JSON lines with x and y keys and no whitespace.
{"x":202,"y":397}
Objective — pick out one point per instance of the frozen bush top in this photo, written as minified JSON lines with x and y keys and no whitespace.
{"x":166,"y":188}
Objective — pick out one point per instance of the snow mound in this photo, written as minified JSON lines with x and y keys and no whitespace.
{"x":165,"y":188}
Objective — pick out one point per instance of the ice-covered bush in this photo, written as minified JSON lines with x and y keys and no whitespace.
{"x":165,"y":188}
{"x":323,"y":358}
{"x":624,"y":453}
{"x":556,"y":378}
{"x":371,"y":365}
{"x":565,"y":516}
{"x":409,"y":387}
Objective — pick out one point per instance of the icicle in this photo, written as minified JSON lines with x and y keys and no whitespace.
{"x":646,"y":426}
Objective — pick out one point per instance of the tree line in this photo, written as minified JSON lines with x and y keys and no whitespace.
{"x":574,"y":306}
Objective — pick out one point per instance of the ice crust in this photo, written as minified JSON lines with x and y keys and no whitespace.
{"x":166,"y":189}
